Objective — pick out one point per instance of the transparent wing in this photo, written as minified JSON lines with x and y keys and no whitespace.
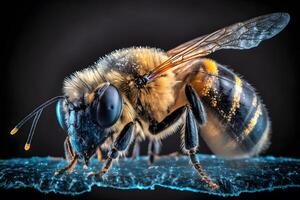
{"x":242,"y":35}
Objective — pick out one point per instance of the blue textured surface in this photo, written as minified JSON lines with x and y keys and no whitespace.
{"x":233,"y":176}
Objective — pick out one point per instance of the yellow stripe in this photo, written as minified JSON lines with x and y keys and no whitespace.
{"x":211,"y":68}
{"x":236,"y":98}
{"x":251,"y":124}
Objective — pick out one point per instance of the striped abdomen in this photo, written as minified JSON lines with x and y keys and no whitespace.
{"x":237,"y":121}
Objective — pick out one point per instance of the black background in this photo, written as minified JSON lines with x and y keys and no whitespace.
{"x":43,"y":42}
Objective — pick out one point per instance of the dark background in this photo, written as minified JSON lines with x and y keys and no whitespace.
{"x":43,"y":42}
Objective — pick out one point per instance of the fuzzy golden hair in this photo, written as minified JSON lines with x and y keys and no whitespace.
{"x":120,"y":68}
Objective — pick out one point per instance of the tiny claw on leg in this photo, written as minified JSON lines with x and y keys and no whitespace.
{"x":97,"y":174}
{"x":205,"y":177}
{"x":69,"y":168}
{"x":214,"y":186}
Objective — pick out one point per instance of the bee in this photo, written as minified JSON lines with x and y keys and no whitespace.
{"x":142,"y":93}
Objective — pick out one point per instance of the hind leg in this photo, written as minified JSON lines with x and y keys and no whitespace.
{"x":69,"y":168}
{"x":191,"y":115}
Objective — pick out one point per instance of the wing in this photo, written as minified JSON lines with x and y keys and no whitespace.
{"x":243,"y":35}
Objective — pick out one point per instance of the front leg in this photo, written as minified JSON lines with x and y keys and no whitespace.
{"x":69,"y":153}
{"x":102,"y":153}
{"x":69,"y":168}
{"x":121,"y":144}
{"x":70,"y":157}
{"x":191,"y":142}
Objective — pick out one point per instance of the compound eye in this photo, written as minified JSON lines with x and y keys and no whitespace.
{"x":60,"y":114}
{"x":107,"y":106}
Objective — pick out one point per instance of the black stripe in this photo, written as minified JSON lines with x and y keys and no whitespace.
{"x":225,"y":89}
{"x":245,"y":112}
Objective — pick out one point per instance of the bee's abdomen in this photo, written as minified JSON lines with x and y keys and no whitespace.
{"x":235,"y":109}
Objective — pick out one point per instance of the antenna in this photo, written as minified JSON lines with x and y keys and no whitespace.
{"x":32,"y":129}
{"x":37,"y":113}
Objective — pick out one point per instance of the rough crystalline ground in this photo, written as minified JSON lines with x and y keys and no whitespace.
{"x":233,"y":176}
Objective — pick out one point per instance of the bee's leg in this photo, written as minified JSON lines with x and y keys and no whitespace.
{"x":196,"y":104}
{"x":69,"y":154}
{"x":174,"y":120}
{"x":191,"y":130}
{"x":121,"y":144}
{"x":69,"y":168}
{"x":70,"y":157}
{"x":191,"y":140}
{"x":158,"y":129}
{"x":136,"y":149}
{"x":153,"y":150}
{"x":101,"y":154}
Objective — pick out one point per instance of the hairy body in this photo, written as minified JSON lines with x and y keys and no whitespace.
{"x":151,"y":104}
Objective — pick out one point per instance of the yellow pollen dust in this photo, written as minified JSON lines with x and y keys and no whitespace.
{"x":207,"y":86}
{"x":211,"y":68}
{"x":214,"y":102}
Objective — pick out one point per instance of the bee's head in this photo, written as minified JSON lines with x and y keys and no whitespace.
{"x":86,"y":123}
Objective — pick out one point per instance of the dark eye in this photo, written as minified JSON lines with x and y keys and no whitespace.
{"x":107,"y":106}
{"x":60,"y":114}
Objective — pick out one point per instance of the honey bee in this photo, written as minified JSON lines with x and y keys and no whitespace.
{"x":146,"y":93}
